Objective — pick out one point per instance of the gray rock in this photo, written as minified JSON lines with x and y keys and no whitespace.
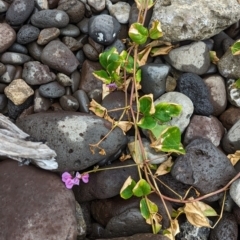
{"x":90,"y":52}
{"x":27,"y":33}
{"x":69,"y":103}
{"x":83,"y":25}
{"x":33,"y":203}
{"x":48,"y":34}
{"x":193,"y":58}
{"x":70,"y":30}
{"x":2,"y":69}
{"x":52,"y":90}
{"x":204,"y":167}
{"x":75,"y":79}
{"x":83,"y":101}
{"x":183,"y":119}
{"x":35,"y":73}
{"x":72,"y":43}
{"x":194,"y":87}
{"x":154,"y":78}
{"x":9,"y":75}
{"x":3,"y":6}
{"x":50,"y":18}
{"x":19,"y":48}
{"x":41,"y":104}
{"x":183,"y":20}
{"x":58,"y":56}
{"x":118,"y":44}
{"x":70,"y":134}
{"x":3,"y":101}
{"x":2,"y":87}
{"x":231,"y":140}
{"x":35,"y":50}
{"x":14,"y":58}
{"x":97,"y":5}
{"x":64,"y":80}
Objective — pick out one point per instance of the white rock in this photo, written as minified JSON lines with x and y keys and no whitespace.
{"x":98,"y":5}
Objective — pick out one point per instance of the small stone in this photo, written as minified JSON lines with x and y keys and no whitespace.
{"x":118,"y":44}
{"x":64,"y":80}
{"x":42,"y":4}
{"x":171,"y":84}
{"x":229,"y":117}
{"x":83,"y":25}
{"x":97,"y":5}
{"x":27,"y":33}
{"x":2,"y":87}
{"x":75,"y":79}
{"x":52,"y":90}
{"x":14,"y":58}
{"x":47,"y":35}
{"x":72,"y":43}
{"x":41,"y":104}
{"x":69,"y":103}
{"x":7,"y":36}
{"x":3,"y":6}
{"x":18,"y":91}
{"x":3,"y":102}
{"x":35,"y":50}
{"x":233,"y":93}
{"x":9,"y":75}
{"x":70,"y":30}
{"x":19,"y":48}
{"x":235,"y":191}
{"x":90,"y":52}
{"x":2,"y":69}
{"x":83,"y":101}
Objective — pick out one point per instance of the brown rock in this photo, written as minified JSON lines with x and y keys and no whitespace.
{"x":48,"y":34}
{"x":72,"y":43}
{"x":229,"y":117}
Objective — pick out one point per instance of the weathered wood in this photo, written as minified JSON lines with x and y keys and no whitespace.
{"x":14,"y":145}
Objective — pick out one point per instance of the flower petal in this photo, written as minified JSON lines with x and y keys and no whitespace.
{"x":78,"y":175}
{"x":76,"y":181}
{"x":69,"y":183}
{"x":66,"y":176}
{"x":85,"y":177}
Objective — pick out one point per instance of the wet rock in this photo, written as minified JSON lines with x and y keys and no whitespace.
{"x":18,"y":91}
{"x":205,"y":127}
{"x":69,"y":103}
{"x":154,"y":78}
{"x":217,"y":89}
{"x":234,"y":191}
{"x":72,"y":43}
{"x":47,"y":35}
{"x":204,"y":167}
{"x":9,"y":75}
{"x":57,"y":56}
{"x":19,"y":11}
{"x":177,"y":25}
{"x":35,"y":73}
{"x":226,"y":229}
{"x":194,"y":87}
{"x":103,"y":29}
{"x":14,"y":58}
{"x":37,"y":204}
{"x":83,"y":101}
{"x":71,"y":140}
{"x":229,"y":117}
{"x":41,"y":104}
{"x":70,"y":30}
{"x":192,"y":58}
{"x":50,"y":18}
{"x":27,"y":33}
{"x":231,"y":140}
{"x":52,"y":90}
{"x":183,"y":119}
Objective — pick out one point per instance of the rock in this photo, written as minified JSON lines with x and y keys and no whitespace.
{"x":48,"y":34}
{"x":27,"y":33}
{"x":217,"y":89}
{"x":228,"y":65}
{"x":50,"y":18}
{"x":183,"y":119}
{"x":90,"y":52}
{"x":140,"y":236}
{"x":229,"y":117}
{"x":236,"y":212}
{"x":107,"y":183}
{"x":19,"y":11}
{"x":19,"y":48}
{"x":52,"y":90}
{"x":204,"y":167}
{"x":226,"y":229}
{"x":72,"y":43}
{"x":70,"y":30}
{"x":35,"y":209}
{"x":57,"y":56}
{"x":35,"y":50}
{"x":71,"y":140}
{"x":97,"y":5}
{"x":233,"y":93}
{"x":41,"y":104}
{"x":83,"y":25}
{"x":194,"y":87}
{"x":234,"y":191}
{"x":2,"y":69}
{"x":42,"y":4}
{"x":178,"y":25}
{"x":3,"y":102}
{"x":154,"y":78}
{"x":83,"y":101}
{"x":205,"y":127}
{"x":14,"y":58}
{"x":7,"y":36}
{"x":18,"y":91}
{"x":75,"y":79}
{"x":103,"y":29}
{"x":192,"y":58}
{"x":35,"y":73}
{"x":69,"y":103}
{"x":188,"y":231}
{"x":118,"y":44}
{"x":2,"y":87}
{"x":64,"y":80}
{"x":9,"y":75}
{"x":231,"y":140}
{"x":3,"y":6}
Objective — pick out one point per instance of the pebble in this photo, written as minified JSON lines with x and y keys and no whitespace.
{"x":75,"y":79}
{"x":235,"y":191}
{"x":194,"y":87}
{"x":3,"y":102}
{"x":41,"y":104}
{"x":72,"y":43}
{"x":7,"y":36}
{"x":41,"y":4}
{"x":70,"y":30}
{"x":90,"y":52}
{"x":83,"y":25}
{"x":2,"y":87}
{"x":9,"y":75}
{"x":203,"y":161}
{"x":2,"y":69}
{"x":19,"y":48}
{"x":192,"y":58}
{"x":118,"y":44}
{"x":83,"y":101}
{"x":14,"y":58}
{"x":35,"y":50}
{"x":233,"y":93}
{"x":69,"y":103}
{"x":59,"y":57}
{"x":4,"y":6}
{"x":18,"y":91}
{"x":27,"y":33}
{"x":229,"y":117}
{"x":97,"y":5}
{"x":52,"y":90}
{"x":47,"y":34}
{"x":50,"y":18}
{"x":64,"y":80}
{"x":154,"y":78}
{"x":36,"y":73}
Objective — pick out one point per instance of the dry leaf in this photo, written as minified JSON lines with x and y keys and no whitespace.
{"x":235,"y":157}
{"x":124,"y":157}
{"x":96,"y":108}
{"x":164,"y":167}
{"x":173,"y":230}
{"x":213,"y":57}
{"x":143,"y":56}
{"x":102,"y":152}
{"x":158,"y":43}
{"x":125,"y":125}
{"x":105,"y":90}
{"x":136,"y":153}
{"x":161,"y":51}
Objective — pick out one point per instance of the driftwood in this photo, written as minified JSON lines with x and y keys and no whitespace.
{"x":14,"y":144}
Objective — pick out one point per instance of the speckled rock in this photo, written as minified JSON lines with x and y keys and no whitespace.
{"x":229,"y":117}
{"x":7,"y":36}
{"x":41,"y":104}
{"x":71,"y":140}
{"x":27,"y":33}
{"x":35,"y":208}
{"x":72,"y":43}
{"x":64,"y":80}
{"x":183,"y":119}
{"x":58,"y":56}
{"x":52,"y":90}
{"x":69,"y":103}
{"x":233,"y":93}
{"x":204,"y":167}
{"x":14,"y":58}
{"x":192,"y":58}
{"x":48,"y":34}
{"x":194,"y":87}
{"x":9,"y":75}
{"x":205,"y":127}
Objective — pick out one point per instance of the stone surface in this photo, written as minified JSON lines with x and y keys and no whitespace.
{"x":3,"y":6}
{"x":181,"y":20}
{"x":19,"y":48}
{"x":52,"y":90}
{"x":97,"y":5}
{"x":183,"y":119}
{"x":235,"y":191}
{"x":57,"y":56}
{"x":205,"y":127}
{"x":48,"y":34}
{"x":154,"y":78}
{"x":18,"y":91}
{"x":192,"y":58}
{"x":194,"y":87}
{"x":3,"y":102}
{"x":72,"y":43}
{"x":90,"y":52}
{"x":64,"y":80}
{"x":35,"y":50}
{"x":233,"y":93}
{"x":70,"y":30}
{"x":33,"y":203}
{"x":140,"y":236}
{"x":204,"y":167}
{"x":69,"y":103}
{"x":41,"y":104}
{"x":83,"y":101}
{"x":27,"y":33}
{"x":71,"y":140}
{"x":229,"y":117}
{"x":9,"y":75}
{"x":14,"y":58}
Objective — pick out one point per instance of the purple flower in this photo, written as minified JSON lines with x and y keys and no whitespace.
{"x":70,"y":181}
{"x":112,"y":86}
{"x":85,"y":177}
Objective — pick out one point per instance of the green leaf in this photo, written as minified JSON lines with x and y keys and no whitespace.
{"x":112,"y":67}
{"x":103,"y":57}
{"x":139,"y":75}
{"x":153,"y":208}
{"x":237,"y":83}
{"x":103,"y":76}
{"x":142,"y":188}
{"x":146,"y":105}
{"x":138,"y":33}
{"x":147,"y":122}
{"x":141,"y":4}
{"x":158,"y":129}
{"x":129,"y":65}
{"x":235,"y":48}
{"x":155,"y":31}
{"x":144,"y":209}
{"x":165,"y":111}
{"x":127,"y":189}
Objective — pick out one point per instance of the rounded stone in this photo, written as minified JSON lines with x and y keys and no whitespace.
{"x":18,"y":48}
{"x":9,"y":74}
{"x":230,"y":116}
{"x":3,"y":6}
{"x":90,"y":52}
{"x":7,"y":36}
{"x":70,"y":30}
{"x":2,"y":69}
{"x":35,"y":50}
{"x":47,"y":35}
{"x":75,"y":79}
{"x":14,"y":58}
{"x":3,"y":101}
{"x":72,"y":43}
{"x":52,"y":90}
{"x":64,"y":80}
{"x":69,"y":103}
{"x":27,"y":33}
{"x":83,"y":101}
{"x":41,"y":104}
